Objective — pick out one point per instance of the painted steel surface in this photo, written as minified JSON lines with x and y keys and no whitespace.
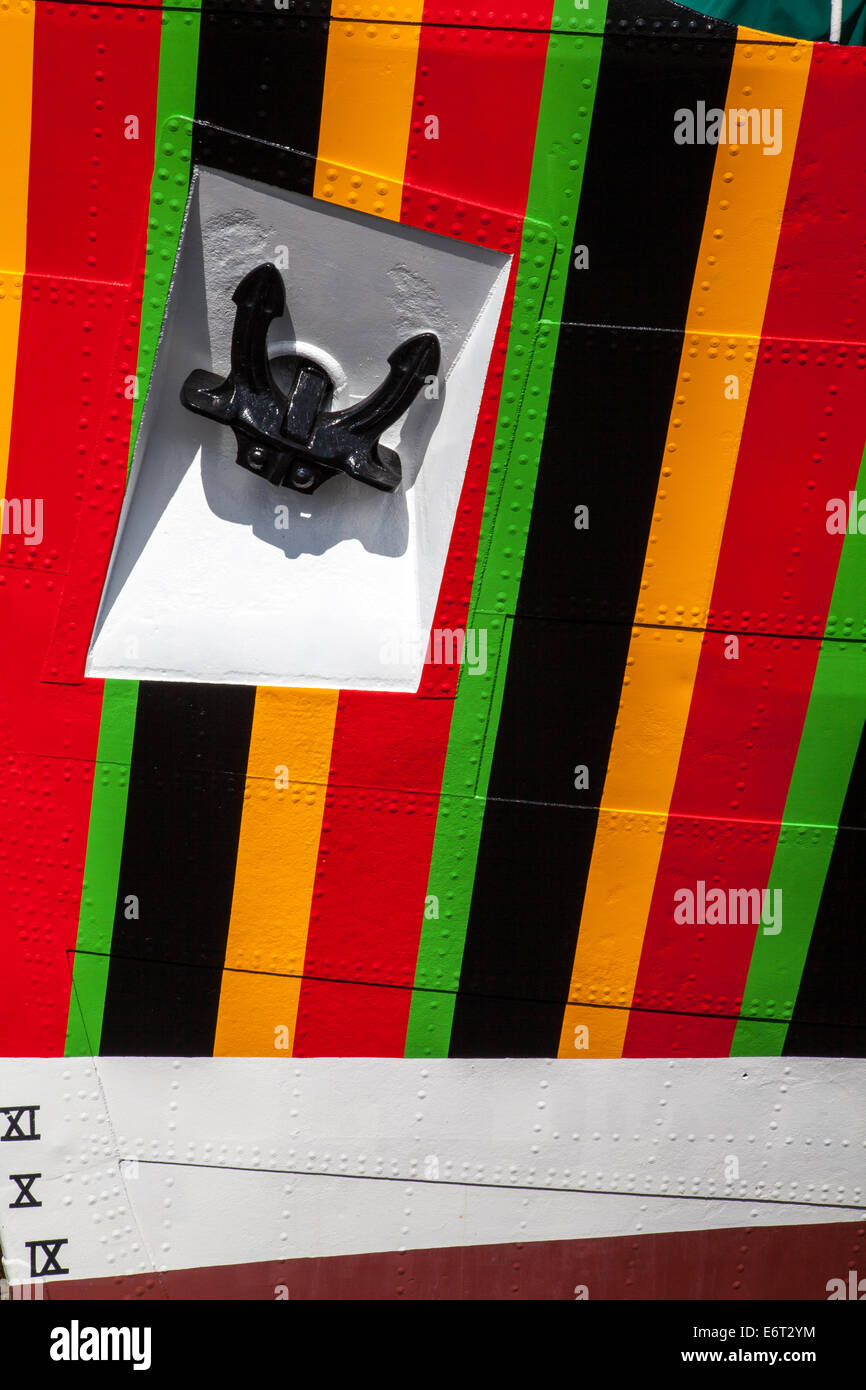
{"x":535,"y":822}
{"x":266,"y":996}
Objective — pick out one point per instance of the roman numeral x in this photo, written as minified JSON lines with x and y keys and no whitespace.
{"x":25,"y":1183}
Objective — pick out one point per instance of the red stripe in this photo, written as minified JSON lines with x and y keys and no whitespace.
{"x":485,"y":145}
{"x":57,"y":411}
{"x":87,"y":206}
{"x":94,"y":68}
{"x":747,"y":714}
{"x":819,"y":288}
{"x":507,"y":14}
{"x":371,"y":880}
{"x":104,"y":474}
{"x":801,"y":446}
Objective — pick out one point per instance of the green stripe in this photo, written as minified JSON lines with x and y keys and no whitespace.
{"x":104,"y":843}
{"x":178,"y":57}
{"x":567,"y":99}
{"x":828,"y":747}
{"x":178,"y":63}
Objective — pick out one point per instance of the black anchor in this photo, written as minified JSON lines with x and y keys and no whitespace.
{"x":294,"y":440}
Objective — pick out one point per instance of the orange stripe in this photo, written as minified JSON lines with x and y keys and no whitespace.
{"x":16,"y":87}
{"x":363,"y":137}
{"x":364,"y":133}
{"x":287,"y":775}
{"x":732,"y":281}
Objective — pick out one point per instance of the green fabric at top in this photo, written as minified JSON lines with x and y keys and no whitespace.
{"x":800,"y":19}
{"x":854,"y":22}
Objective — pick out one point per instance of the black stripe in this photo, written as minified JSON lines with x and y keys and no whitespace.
{"x":177,"y":871}
{"x":644,"y":197}
{"x":853,"y":812}
{"x":652,"y":18}
{"x":610,"y":405}
{"x":641,"y":216}
{"x":260,"y":78}
{"x":830,"y":1011}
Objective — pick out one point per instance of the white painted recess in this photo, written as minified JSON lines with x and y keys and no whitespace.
{"x":206,"y":583}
